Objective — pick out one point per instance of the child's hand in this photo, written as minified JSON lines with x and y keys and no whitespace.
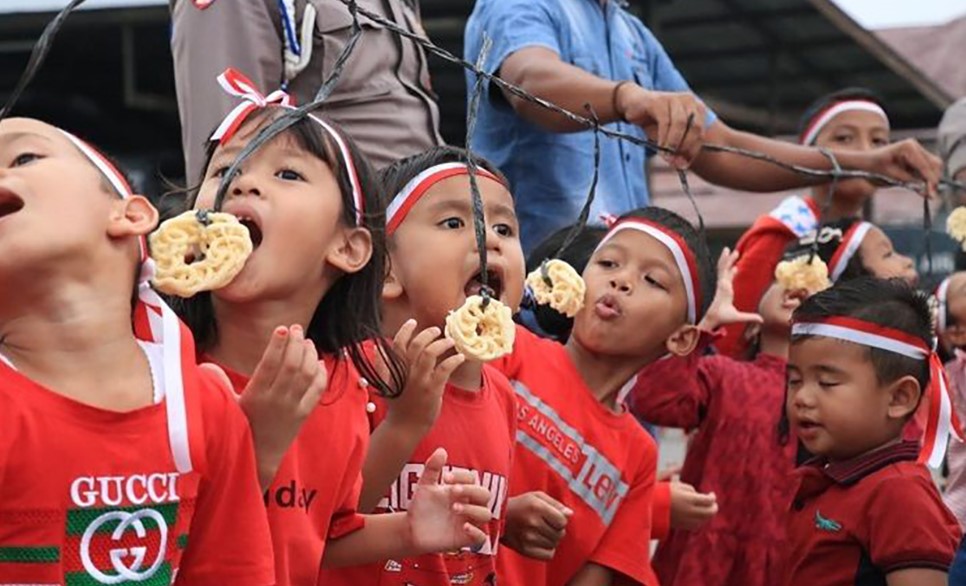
{"x":722,"y":310}
{"x":422,"y":399}
{"x":689,"y":508}
{"x":535,"y":524}
{"x":447,"y":509}
{"x":286,"y":386}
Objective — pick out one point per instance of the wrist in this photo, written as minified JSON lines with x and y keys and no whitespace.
{"x":617,"y":99}
{"x":406,"y":429}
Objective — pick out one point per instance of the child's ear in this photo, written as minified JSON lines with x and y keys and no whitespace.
{"x":391,"y":287}
{"x":684,"y":340}
{"x":352,"y":252}
{"x":904,"y":397}
{"x":132,"y":216}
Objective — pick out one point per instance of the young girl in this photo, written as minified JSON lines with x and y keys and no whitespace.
{"x":736,"y":453}
{"x":311,"y":206}
{"x":121,"y":461}
{"x":849,"y":119}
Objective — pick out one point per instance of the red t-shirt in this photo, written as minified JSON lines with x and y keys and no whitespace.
{"x":855,"y":522}
{"x":735,"y":407}
{"x":316,"y":490}
{"x":91,"y":496}
{"x":761,"y":249}
{"x":599,"y":463}
{"x":477,"y":429}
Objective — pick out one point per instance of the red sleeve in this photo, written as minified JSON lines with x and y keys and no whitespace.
{"x":760,"y":250}
{"x":228,"y":541}
{"x":346,"y":519}
{"x":661,"y":511}
{"x":510,"y":364}
{"x":673,"y":392}
{"x":909,"y":527}
{"x":626,"y":546}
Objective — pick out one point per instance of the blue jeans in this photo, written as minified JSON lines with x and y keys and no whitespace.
{"x":957,"y":572}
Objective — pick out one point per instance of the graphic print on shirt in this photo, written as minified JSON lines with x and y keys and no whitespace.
{"x":823,"y":524}
{"x":403,"y":488}
{"x":586,"y":471}
{"x":122,"y":529}
{"x":796,"y":215}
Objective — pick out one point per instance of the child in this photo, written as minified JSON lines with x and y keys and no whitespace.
{"x":646,"y":283}
{"x":121,"y":462}
{"x":311,"y":205}
{"x":849,"y":119}
{"x":865,"y":511}
{"x":736,"y":453}
{"x":435,"y":266}
{"x":951,"y":332}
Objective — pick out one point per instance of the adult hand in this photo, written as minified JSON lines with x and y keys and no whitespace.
{"x":674,"y":120}
{"x":905,"y":160}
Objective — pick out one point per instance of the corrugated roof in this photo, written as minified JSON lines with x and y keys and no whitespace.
{"x":937,"y":50}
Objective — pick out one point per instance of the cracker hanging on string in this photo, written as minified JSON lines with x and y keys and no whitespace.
{"x":198,"y":250}
{"x":808,"y":272}
{"x":956,"y":225}
{"x":481,"y":330}
{"x":557,"y":284}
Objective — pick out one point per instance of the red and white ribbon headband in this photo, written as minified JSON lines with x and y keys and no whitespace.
{"x":404,"y":201}
{"x":154,"y":321}
{"x":821,"y":120}
{"x":236,"y":84}
{"x":683,"y":256}
{"x":942,"y":420}
{"x":941,"y":294}
{"x":850,"y":244}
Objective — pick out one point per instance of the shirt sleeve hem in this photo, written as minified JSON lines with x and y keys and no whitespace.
{"x":633,"y":569}
{"x":930,"y":564}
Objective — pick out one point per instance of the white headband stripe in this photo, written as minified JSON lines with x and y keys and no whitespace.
{"x":851,"y":246}
{"x":859,"y":337}
{"x":680,"y":259}
{"x":944,"y":426}
{"x":357,"y":197}
{"x":822,"y":121}
{"x":941,"y":293}
{"x":418,"y":184}
{"x":166,"y":331}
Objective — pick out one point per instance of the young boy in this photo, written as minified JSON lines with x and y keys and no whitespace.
{"x":120,"y":460}
{"x":646,"y":285}
{"x":865,"y":511}
{"x":435,"y":266}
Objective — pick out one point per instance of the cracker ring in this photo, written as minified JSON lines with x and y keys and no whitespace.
{"x":217,"y":241}
{"x":558,"y":285}
{"x":481,"y":331}
{"x":956,"y":225}
{"x":807,"y":272}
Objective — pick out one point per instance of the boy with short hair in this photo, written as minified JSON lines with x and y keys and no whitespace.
{"x":866,"y":510}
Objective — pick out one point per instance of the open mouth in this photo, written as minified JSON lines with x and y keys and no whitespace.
{"x":494,"y":284}
{"x":10,"y":203}
{"x":254,"y":230}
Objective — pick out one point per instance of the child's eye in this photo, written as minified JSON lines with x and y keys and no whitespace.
{"x":654,"y":282}
{"x":220,"y":172}
{"x":879,"y":142}
{"x":452,"y":223}
{"x":503,"y":230}
{"x":606,"y":263}
{"x":24,"y":158}
{"x":289,"y":175}
{"x":825,"y":384}
{"x":842,"y":138}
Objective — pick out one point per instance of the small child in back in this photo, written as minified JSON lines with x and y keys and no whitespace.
{"x":121,"y":461}
{"x":737,"y":453}
{"x":865,"y":511}
{"x":951,"y":330}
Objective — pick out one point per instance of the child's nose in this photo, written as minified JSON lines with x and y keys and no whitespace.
{"x":245,"y":184}
{"x":620,"y":284}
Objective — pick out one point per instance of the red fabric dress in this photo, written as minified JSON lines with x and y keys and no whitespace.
{"x":735,"y":408}
{"x":761,"y":249}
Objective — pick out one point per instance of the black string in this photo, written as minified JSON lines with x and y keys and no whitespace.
{"x":823,"y":218}
{"x":927,"y":230}
{"x":479,"y":221}
{"x":591,"y":195}
{"x":38,"y":55}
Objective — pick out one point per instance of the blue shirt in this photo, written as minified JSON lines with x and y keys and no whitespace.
{"x":550,"y":172}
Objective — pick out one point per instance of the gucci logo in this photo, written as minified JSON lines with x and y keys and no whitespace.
{"x":127,"y":562}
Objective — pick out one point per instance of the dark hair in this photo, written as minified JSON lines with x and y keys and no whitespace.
{"x":695,"y":241}
{"x":348,"y":315}
{"x":886,"y":302}
{"x":828,"y":100}
{"x":551,"y":322}
{"x":395,"y":177}
{"x":830,"y":239}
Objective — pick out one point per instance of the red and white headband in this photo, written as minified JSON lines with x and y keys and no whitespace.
{"x":822,"y":119}
{"x":404,"y":201}
{"x":942,"y":420}
{"x":682,"y":253}
{"x":236,"y":84}
{"x":846,"y":250}
{"x":154,"y":321}
{"x":942,"y":293}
